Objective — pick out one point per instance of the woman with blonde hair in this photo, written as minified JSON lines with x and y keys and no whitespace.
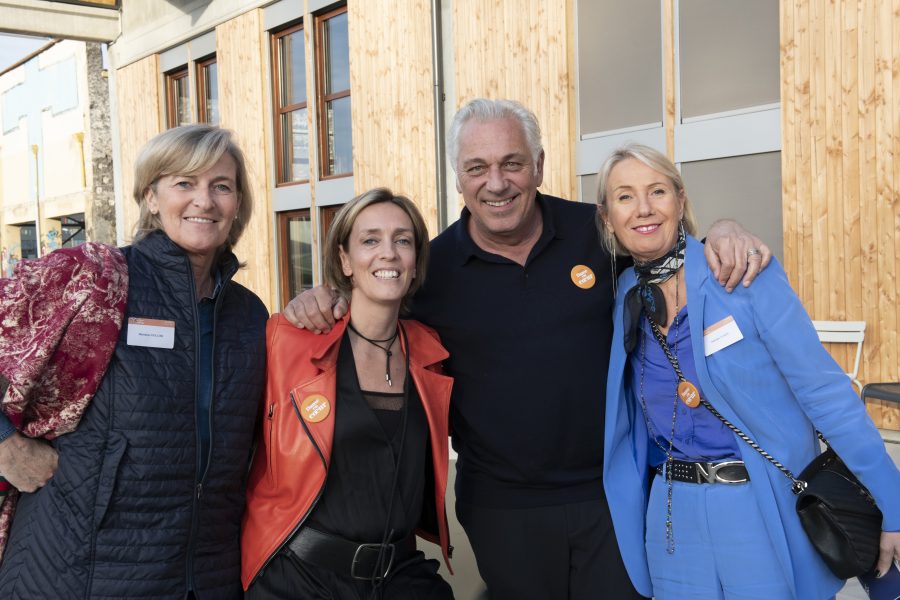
{"x":698,"y":513}
{"x":148,"y":495}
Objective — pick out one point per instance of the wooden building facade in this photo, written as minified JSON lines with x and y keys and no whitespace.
{"x":780,"y":114}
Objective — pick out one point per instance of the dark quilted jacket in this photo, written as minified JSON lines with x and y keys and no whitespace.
{"x":127,"y":515}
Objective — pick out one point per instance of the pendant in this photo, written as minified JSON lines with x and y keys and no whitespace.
{"x":688,"y":393}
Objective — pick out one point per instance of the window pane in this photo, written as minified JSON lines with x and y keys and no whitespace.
{"x":293,"y":76}
{"x":72,"y":228}
{"x":27,"y":242}
{"x":211,"y":89}
{"x":337,"y":54}
{"x":182,"y":101}
{"x":295,"y":151}
{"x":588,"y":186}
{"x":299,"y":250}
{"x":745,"y":188}
{"x":340,"y":151}
{"x":620,"y":69}
{"x":729,"y":55}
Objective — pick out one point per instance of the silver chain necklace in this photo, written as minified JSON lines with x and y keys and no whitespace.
{"x":670,"y":459}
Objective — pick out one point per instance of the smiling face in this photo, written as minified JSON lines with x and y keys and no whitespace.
{"x":380,"y":255}
{"x":498,"y":178}
{"x":643,"y":209}
{"x":197,"y":211}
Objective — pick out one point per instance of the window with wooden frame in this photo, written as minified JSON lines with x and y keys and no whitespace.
{"x":326,"y":218}
{"x":333,"y":94}
{"x":289,"y":95}
{"x":208,"y":91}
{"x":178,"y":98}
{"x":295,"y":250}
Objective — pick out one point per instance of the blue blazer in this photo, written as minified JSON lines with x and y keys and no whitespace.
{"x":778,"y":384}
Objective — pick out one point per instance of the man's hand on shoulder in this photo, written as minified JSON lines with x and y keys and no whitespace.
{"x":26,"y":463}
{"x":316,"y":309}
{"x":735,"y":254}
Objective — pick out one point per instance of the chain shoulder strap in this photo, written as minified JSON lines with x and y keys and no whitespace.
{"x":797,"y":485}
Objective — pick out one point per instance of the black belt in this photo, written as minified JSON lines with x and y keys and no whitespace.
{"x":349,"y":558}
{"x":729,"y":471}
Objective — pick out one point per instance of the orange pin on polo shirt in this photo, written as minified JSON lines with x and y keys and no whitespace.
{"x":688,"y":393}
{"x":583,"y":277}
{"x":315,"y":408}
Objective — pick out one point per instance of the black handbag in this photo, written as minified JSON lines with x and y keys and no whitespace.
{"x":836,"y":511}
{"x":839,"y":515}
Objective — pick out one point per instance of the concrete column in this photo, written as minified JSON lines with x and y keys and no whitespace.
{"x":100,"y":212}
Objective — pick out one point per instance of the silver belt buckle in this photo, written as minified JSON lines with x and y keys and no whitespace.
{"x":709,"y":472}
{"x":375,"y":548}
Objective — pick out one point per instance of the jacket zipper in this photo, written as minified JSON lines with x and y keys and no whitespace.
{"x":303,"y":519}
{"x":198,"y":484}
{"x":270,"y":427}
{"x":201,"y":477}
{"x":212,"y":391}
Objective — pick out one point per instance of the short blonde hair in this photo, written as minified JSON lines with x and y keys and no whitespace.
{"x":342,"y":226}
{"x":657,"y":161}
{"x":189,"y":150}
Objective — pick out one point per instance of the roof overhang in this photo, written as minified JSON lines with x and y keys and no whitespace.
{"x":70,"y":20}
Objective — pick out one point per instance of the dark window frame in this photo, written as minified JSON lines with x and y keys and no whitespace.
{"x":172,"y":77}
{"x":200,"y":74}
{"x":323,"y":99}
{"x":326,"y":218}
{"x":284,"y":276}
{"x":277,"y":109}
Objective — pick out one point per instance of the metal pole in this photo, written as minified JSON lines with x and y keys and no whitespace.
{"x":437,"y":69}
{"x":37,"y":200}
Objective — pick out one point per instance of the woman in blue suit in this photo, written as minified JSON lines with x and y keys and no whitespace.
{"x":755,"y":356}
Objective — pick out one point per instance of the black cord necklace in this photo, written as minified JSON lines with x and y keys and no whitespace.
{"x":385,"y":349}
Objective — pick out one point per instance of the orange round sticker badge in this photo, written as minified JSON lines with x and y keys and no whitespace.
{"x":689,"y":394}
{"x":315,"y":408}
{"x":583,"y":277}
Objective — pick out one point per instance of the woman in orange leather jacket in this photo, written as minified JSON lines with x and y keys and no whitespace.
{"x":352,"y":459}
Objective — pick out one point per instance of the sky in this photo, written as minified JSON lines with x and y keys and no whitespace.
{"x":15,"y":47}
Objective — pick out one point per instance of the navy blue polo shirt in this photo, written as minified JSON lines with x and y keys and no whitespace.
{"x":529,"y":351}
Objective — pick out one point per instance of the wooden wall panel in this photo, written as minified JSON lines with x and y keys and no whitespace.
{"x":669,"y":75}
{"x":841,"y":169}
{"x":139,"y":101}
{"x":521,"y":50}
{"x":244,"y":107}
{"x":393,"y":111}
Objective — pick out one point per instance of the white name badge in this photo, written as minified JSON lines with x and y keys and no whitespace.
{"x":721,"y":335}
{"x":151,"y":333}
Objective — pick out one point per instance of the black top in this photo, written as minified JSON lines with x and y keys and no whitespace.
{"x":358,"y":490}
{"x":529,"y":352}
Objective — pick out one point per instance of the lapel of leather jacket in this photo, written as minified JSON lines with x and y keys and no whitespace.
{"x":323,"y":385}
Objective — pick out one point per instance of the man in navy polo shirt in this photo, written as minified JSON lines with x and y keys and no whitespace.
{"x":520,"y":291}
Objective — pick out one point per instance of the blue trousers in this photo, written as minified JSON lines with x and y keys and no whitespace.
{"x":722,"y":548}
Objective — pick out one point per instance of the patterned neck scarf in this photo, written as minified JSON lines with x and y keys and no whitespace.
{"x":646,"y":295}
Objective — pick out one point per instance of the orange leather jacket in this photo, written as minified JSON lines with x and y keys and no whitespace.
{"x":291,"y":461}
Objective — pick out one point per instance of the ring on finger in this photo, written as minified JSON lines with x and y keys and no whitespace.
{"x":752,"y":252}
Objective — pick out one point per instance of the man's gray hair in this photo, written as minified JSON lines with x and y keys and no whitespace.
{"x":482,"y":109}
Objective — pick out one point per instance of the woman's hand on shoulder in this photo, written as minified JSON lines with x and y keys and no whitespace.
{"x":316,"y":309}
{"x":890,"y":551}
